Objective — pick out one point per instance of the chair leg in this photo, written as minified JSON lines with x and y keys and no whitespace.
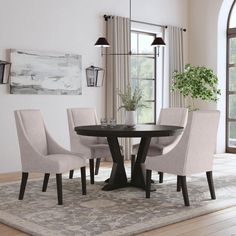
{"x":83,"y":179}
{"x":178,"y":183}
{"x":71,"y":174}
{"x":148,"y":183}
{"x":211,"y":184}
{"x":98,"y":160}
{"x":132,"y":162}
{"x":23,"y":184}
{"x":160,"y":177}
{"x":45,"y":182}
{"x":184,"y":190}
{"x":91,"y":167}
{"x":59,"y":188}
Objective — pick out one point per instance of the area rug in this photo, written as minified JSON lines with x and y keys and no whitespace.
{"x":120,"y":212}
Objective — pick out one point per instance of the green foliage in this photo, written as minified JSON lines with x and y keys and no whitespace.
{"x":196,"y":82}
{"x":131,"y":99}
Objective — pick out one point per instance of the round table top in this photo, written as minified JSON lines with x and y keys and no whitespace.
{"x":124,"y":131}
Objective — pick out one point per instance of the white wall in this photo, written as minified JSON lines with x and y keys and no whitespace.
{"x":203,"y":22}
{"x":64,"y":26}
{"x":207,"y":46}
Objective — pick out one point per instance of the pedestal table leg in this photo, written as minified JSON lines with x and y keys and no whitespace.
{"x":118,"y":177}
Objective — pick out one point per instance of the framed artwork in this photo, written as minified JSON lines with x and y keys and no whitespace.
{"x":34,"y":72}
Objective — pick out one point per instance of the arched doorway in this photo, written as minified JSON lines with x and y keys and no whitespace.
{"x":231,"y":81}
{"x":223,"y":15}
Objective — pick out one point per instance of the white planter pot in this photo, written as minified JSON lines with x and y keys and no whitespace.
{"x":131,"y":118}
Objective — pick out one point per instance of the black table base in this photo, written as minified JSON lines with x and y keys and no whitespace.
{"x":118,"y":178}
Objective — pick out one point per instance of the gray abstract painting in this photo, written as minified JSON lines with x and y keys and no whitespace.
{"x":35,"y":72}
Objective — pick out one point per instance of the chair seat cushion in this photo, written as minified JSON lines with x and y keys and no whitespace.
{"x":102,"y":140}
{"x":159,"y":163}
{"x":100,"y":150}
{"x":153,"y":150}
{"x":60,"y":163}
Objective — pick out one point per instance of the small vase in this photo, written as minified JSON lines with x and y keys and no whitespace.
{"x":131,"y":118}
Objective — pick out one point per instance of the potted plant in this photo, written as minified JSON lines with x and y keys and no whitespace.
{"x":132,"y":100}
{"x":196,"y":82}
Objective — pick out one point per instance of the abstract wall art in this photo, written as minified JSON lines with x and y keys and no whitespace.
{"x":34,"y":72}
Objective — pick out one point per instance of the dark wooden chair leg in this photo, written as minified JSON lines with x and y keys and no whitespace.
{"x":91,"y":167}
{"x":148,"y":183}
{"x":211,"y":184}
{"x":59,"y":188}
{"x":24,"y":179}
{"x":132,"y":162}
{"x":178,"y":183}
{"x":71,"y":174}
{"x":98,"y":160}
{"x":45,"y":182}
{"x":160,"y":177}
{"x":83,"y":179}
{"x":184,"y":190}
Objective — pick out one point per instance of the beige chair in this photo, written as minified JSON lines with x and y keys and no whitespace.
{"x":177,"y":116}
{"x":40,"y":153}
{"x":193,"y":154}
{"x":90,"y":147}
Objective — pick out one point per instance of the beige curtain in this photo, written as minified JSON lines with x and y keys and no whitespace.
{"x":117,"y":71}
{"x":176,"y":63}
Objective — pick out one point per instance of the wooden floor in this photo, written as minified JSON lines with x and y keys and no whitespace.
{"x":220,"y":223}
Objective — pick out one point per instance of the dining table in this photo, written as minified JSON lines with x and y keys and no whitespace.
{"x":118,"y":177}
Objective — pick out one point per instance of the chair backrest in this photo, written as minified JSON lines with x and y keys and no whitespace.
{"x":173,"y":116}
{"x":84,"y":116}
{"x":195,"y":151}
{"x":79,"y":117}
{"x":31,"y":131}
{"x":199,"y":139}
{"x":177,"y":116}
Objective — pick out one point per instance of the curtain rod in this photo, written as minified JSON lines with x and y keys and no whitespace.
{"x":106,"y":17}
{"x":147,"y":23}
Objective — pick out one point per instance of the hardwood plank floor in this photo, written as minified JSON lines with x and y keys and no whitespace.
{"x":220,"y":223}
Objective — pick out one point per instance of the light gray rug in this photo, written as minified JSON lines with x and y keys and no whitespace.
{"x":121,"y":212}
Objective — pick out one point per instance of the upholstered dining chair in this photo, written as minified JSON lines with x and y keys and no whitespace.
{"x":40,"y":153}
{"x":91,"y":147}
{"x":193,"y":154}
{"x":177,"y":116}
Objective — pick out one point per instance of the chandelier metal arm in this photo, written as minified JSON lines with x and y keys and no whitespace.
{"x":102,"y":42}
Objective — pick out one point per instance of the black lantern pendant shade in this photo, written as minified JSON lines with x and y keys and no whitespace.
{"x":102,"y":42}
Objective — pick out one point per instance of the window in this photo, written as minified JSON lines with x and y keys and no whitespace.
{"x":143,"y":74}
{"x":232,"y":20}
{"x":231,"y":82}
